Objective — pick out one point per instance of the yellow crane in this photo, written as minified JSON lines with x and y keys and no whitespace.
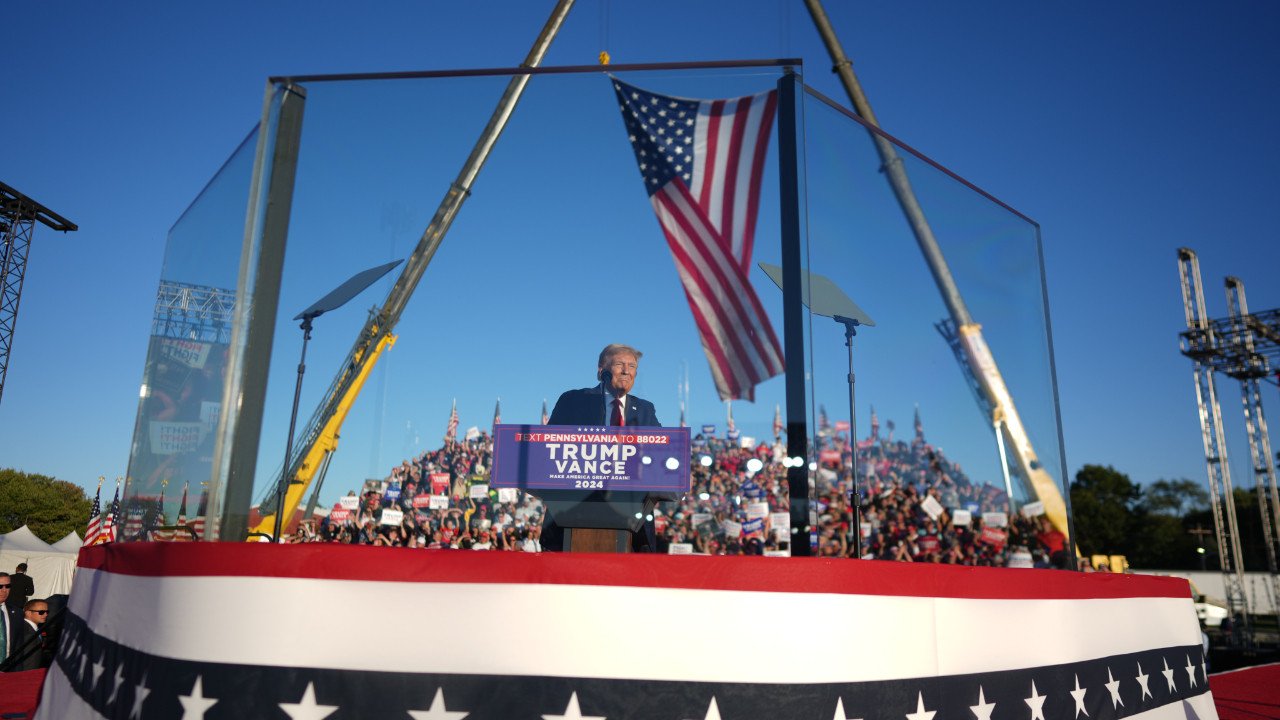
{"x":320,"y":437}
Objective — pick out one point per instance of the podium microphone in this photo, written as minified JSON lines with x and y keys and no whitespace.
{"x":606,"y":384}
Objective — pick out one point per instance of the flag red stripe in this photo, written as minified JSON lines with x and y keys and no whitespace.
{"x":709,"y":164}
{"x":757,"y":174}
{"x":736,"y":316}
{"x":735,"y":283}
{"x":730,"y":178}
{"x":713,"y":334}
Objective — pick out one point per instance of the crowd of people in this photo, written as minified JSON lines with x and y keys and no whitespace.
{"x":915,"y":506}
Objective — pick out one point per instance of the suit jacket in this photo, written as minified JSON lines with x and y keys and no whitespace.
{"x":33,"y":654}
{"x":14,"y":626}
{"x":586,"y":407}
{"x":23,"y":588}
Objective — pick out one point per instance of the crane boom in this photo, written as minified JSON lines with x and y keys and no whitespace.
{"x":981,"y":365}
{"x":321,"y":434}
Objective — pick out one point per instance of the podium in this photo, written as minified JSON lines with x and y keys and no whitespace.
{"x":600,"y":521}
{"x":600,"y":484}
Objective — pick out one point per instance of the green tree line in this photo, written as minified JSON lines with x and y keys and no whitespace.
{"x":1158,"y":526}
{"x":49,"y":506}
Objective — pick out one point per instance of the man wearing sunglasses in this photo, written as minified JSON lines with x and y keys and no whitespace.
{"x":34,"y":614}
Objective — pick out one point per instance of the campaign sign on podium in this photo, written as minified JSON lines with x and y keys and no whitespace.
{"x":569,"y":457}
{"x":600,"y":484}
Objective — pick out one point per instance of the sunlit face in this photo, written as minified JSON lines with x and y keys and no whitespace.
{"x":622,"y":367}
{"x":38,"y":613}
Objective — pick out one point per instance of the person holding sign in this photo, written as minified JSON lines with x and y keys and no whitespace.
{"x":609,"y":403}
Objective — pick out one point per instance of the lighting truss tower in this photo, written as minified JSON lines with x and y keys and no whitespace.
{"x":193,"y":312}
{"x":1200,"y":343}
{"x":1246,"y":364}
{"x":18,"y":217}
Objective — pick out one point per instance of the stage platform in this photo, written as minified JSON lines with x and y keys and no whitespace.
{"x":197,"y":630}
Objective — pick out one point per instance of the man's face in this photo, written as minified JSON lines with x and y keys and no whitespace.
{"x":623,"y":367}
{"x":38,"y":613}
{"x":4,"y":588}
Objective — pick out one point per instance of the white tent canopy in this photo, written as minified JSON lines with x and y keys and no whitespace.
{"x":51,"y":567}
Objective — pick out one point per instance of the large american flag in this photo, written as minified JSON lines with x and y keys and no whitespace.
{"x":702,"y":162}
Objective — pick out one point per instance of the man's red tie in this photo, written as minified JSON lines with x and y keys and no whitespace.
{"x":617,"y":418}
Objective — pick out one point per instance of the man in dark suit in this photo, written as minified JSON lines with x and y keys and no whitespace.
{"x":608,"y":404}
{"x":23,"y":587}
{"x":29,"y":640}
{"x":10,"y":620}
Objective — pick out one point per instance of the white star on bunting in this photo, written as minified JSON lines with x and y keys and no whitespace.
{"x":1168,"y":675}
{"x":1191,"y":672}
{"x":983,"y":710}
{"x":306,"y":708}
{"x":572,"y":712}
{"x":140,"y":693}
{"x":437,"y":711}
{"x":713,"y":710}
{"x":1036,"y":703}
{"x":921,"y":713}
{"x":195,"y":704}
{"x":1078,"y":696}
{"x":1204,"y":671}
{"x":98,"y":669}
{"x":116,"y":682}
{"x":1142,"y":680}
{"x":1113,"y":687}
{"x":840,"y":711}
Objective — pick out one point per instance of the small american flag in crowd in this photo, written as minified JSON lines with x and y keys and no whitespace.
{"x":777,"y":421}
{"x":545,"y":417}
{"x":95,"y":517}
{"x":451,"y":433}
{"x":702,"y":162}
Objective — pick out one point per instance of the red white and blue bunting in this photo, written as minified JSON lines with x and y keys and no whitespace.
{"x":213,"y":631}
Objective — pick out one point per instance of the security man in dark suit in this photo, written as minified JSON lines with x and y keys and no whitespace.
{"x":609,"y":404}
{"x":10,"y":620}
{"x":23,"y":587}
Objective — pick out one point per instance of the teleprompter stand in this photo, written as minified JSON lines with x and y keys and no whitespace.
{"x":823,"y":297}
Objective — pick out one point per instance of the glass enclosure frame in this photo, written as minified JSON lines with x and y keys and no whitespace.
{"x":238,"y":434}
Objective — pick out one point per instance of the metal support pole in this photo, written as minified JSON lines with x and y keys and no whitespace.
{"x":850,"y":330}
{"x":793,"y":315}
{"x":293,"y":424}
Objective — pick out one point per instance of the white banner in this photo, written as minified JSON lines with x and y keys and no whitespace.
{"x":731,"y":528}
{"x":961,"y":517}
{"x":1034,"y":509}
{"x":391,"y":517}
{"x":995,"y":519}
{"x":680,"y":549}
{"x":780,"y":521}
{"x":480,"y":491}
{"x":757,"y":510}
{"x":439,"y":502}
{"x":508,"y":495}
{"x":932,"y":506}
{"x":349,"y":502}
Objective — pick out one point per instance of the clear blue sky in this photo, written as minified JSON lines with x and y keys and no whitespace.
{"x":1125,"y":131}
